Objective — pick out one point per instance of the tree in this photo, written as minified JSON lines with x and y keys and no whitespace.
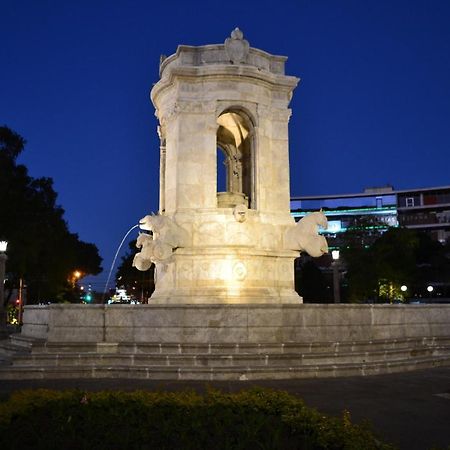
{"x":42,"y":250}
{"x":394,"y":257}
{"x":399,"y":256}
{"x":355,"y":244}
{"x":310,"y":281}
{"x":142,"y":284}
{"x":432,"y":265}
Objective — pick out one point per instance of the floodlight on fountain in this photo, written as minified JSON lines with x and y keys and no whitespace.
{"x":3,"y":246}
{"x":430,"y":288}
{"x":335,"y":255}
{"x":404,"y":288}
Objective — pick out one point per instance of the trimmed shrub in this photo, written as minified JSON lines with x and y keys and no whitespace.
{"x":252,"y":419}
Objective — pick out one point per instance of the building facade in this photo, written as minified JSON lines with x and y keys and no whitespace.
{"x":376,"y":209}
{"x":372,"y":212}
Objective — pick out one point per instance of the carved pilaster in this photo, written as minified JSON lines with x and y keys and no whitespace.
{"x":162,"y":171}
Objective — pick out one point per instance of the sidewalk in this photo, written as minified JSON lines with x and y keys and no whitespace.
{"x":410,"y":410}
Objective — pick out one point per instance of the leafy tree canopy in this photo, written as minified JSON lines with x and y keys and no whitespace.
{"x":398,"y":256}
{"x":355,"y":243}
{"x":41,"y":250}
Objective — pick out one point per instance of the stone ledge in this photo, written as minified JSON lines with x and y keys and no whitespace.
{"x":100,"y":358}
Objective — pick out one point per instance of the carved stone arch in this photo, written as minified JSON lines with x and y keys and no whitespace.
{"x":247,"y":110}
{"x":235,"y":137}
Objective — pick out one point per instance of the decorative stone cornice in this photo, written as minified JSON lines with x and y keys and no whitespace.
{"x":234,"y":73}
{"x":235,"y":51}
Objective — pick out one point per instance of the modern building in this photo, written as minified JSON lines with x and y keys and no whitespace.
{"x":425,"y":209}
{"x":375,"y":210}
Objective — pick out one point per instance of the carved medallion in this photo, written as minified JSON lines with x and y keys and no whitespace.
{"x":239,"y":271}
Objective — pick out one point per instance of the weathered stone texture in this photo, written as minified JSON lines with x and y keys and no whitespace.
{"x":235,"y":324}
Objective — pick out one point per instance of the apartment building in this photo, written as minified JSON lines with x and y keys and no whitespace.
{"x":426,"y":209}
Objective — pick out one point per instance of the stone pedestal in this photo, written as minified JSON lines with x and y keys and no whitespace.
{"x":227,"y":342}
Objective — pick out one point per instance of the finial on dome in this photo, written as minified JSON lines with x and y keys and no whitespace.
{"x":237,"y":34}
{"x":237,"y":47}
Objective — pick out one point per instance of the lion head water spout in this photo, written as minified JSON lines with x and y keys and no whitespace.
{"x":305,"y":237}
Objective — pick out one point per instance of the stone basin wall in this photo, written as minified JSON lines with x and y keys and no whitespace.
{"x":234,"y":323}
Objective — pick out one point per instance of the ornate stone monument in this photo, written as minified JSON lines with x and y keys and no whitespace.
{"x":236,"y":246}
{"x":225,"y":306}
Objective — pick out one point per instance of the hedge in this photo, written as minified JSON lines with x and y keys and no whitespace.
{"x":252,"y":419}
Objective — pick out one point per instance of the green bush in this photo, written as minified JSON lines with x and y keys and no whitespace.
{"x":252,"y":419}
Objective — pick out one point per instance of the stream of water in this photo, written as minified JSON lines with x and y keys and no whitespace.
{"x":115,"y":257}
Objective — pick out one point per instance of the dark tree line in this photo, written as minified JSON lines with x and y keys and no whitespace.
{"x":400,"y":256}
{"x":41,"y":249}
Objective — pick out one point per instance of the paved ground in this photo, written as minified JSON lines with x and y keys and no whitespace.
{"x":410,"y":410}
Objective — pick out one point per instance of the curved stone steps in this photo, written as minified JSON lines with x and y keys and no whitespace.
{"x":41,"y":359}
{"x":222,"y":360}
{"x":219,"y":373}
{"x":9,"y":350}
{"x":41,"y":346}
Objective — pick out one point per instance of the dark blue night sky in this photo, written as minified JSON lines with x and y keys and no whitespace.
{"x":373,"y":106}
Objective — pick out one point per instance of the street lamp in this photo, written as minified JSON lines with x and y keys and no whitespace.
{"x":3,"y":258}
{"x":336,"y":287}
{"x":403,"y":288}
{"x":74,"y":277}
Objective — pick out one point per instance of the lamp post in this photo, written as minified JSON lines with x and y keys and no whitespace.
{"x":336,"y":287}
{"x":3,"y":258}
{"x":404,"y":289}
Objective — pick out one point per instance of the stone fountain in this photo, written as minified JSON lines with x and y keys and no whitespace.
{"x":224,"y":305}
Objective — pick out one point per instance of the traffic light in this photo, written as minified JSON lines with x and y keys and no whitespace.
{"x":88,"y":297}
